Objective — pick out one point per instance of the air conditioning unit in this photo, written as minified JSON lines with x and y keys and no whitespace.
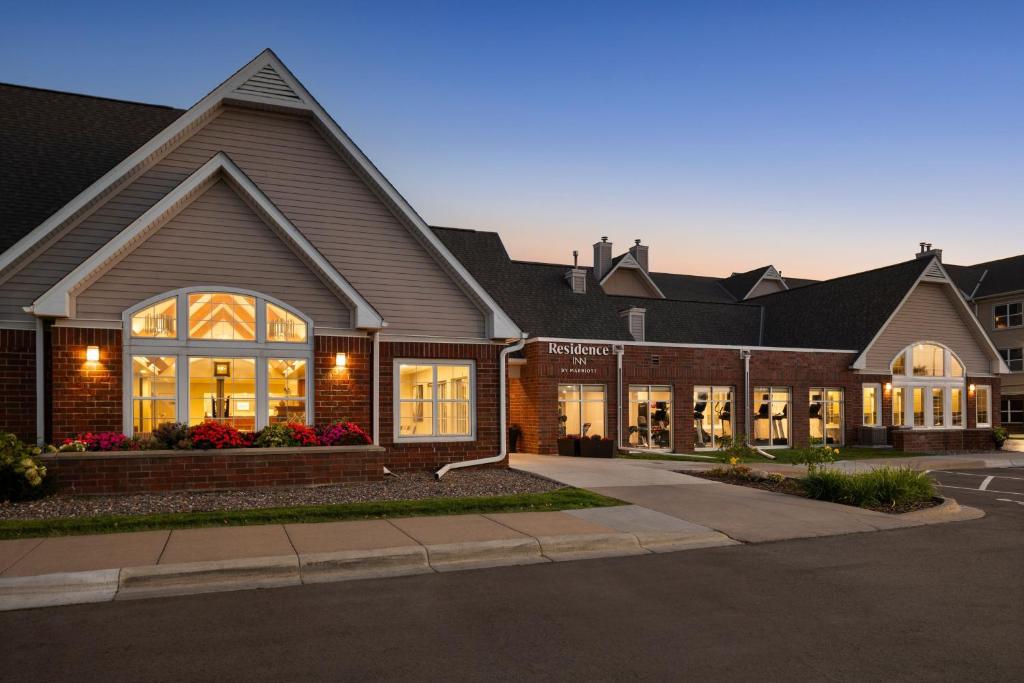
{"x":873,"y":436}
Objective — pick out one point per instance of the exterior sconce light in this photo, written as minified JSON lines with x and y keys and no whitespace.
{"x":92,"y":354}
{"x":971,"y":389}
{"x":888,"y":387}
{"x":340,"y":360}
{"x":221,"y":369}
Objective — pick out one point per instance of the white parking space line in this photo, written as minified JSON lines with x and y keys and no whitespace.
{"x":984,"y":484}
{"x":1007,"y":500}
{"x":969,"y":488}
{"x":972,"y":474}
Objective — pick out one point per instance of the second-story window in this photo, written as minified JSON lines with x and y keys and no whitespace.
{"x":1008,"y":315}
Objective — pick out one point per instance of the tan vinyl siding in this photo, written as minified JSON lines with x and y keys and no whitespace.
{"x":1007,"y":338}
{"x":766,"y":287}
{"x":929,"y":314}
{"x":317,"y":190}
{"x":217,"y":240}
{"x":625,"y":282}
{"x":268,"y":84}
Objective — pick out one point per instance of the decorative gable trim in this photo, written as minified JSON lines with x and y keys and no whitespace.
{"x":275,"y":87}
{"x":935,"y":272}
{"x":627,"y":261}
{"x":59,"y":300}
{"x":770,"y":273}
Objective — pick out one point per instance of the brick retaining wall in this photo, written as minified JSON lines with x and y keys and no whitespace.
{"x":138,"y":472}
{"x":942,"y":440}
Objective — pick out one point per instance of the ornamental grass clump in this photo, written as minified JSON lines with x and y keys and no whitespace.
{"x":21,"y":475}
{"x":886,"y":487}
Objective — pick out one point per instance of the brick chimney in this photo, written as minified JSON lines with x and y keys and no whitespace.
{"x":926,"y":251}
{"x":602,"y":257}
{"x":639,"y":253}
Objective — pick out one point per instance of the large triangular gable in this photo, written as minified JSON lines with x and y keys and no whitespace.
{"x":266,"y":82}
{"x":935,"y":273}
{"x":59,"y":300}
{"x":626,"y":261}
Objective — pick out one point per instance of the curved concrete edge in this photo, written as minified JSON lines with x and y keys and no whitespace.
{"x":207,"y":577}
{"x":567,"y":547}
{"x":948,"y":511}
{"x":670,"y":542}
{"x":49,"y":590}
{"x":363,"y":564}
{"x":446,"y":557}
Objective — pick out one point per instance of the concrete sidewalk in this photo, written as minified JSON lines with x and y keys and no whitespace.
{"x":98,"y":568}
{"x":742,"y":513}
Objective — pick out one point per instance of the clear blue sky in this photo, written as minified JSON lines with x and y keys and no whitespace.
{"x":823,"y":137}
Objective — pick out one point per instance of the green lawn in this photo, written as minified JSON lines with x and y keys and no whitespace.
{"x":782,"y":455}
{"x":560,"y":499}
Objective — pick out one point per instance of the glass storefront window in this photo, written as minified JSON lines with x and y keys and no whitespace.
{"x":222,"y":389}
{"x":581,"y":410}
{"x":154,"y":392}
{"x":825,"y":408}
{"x":771,"y":416}
{"x":286,"y":390}
{"x":712,"y":416}
{"x":650,"y":417}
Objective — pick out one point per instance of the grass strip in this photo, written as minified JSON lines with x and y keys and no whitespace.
{"x":560,"y":499}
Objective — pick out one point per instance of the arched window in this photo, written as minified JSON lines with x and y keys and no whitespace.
{"x":928,"y":387}
{"x":233,"y":356}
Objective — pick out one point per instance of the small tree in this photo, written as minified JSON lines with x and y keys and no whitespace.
{"x":815,"y":456}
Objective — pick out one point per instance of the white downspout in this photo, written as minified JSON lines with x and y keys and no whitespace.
{"x":375,"y":388}
{"x":745,"y":355}
{"x":619,"y":349}
{"x":502,"y":428}
{"x":40,"y":384}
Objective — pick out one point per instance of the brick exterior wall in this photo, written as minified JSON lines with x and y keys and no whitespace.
{"x":85,"y":396}
{"x":943,"y":440}
{"x":18,"y":383}
{"x":430,"y":456}
{"x":87,"y":473}
{"x":343,"y":393}
{"x":533,"y":397}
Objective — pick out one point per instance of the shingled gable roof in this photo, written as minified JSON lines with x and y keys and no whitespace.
{"x":991,"y":278}
{"x":266,"y":82}
{"x":740,"y":284}
{"x":842,"y":313}
{"x":536,"y":296}
{"x":54,"y":144}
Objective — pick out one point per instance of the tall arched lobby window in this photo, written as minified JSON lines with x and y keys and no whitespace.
{"x":928,"y":387}
{"x":206,"y":353}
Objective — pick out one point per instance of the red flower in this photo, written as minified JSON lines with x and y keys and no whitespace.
{"x":212,"y":434}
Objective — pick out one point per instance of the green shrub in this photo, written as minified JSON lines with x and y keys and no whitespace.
{"x":172,"y":435}
{"x":21,"y":475}
{"x":814,"y":456}
{"x":884,"y":487}
{"x":999,"y":436}
{"x":732,"y":450}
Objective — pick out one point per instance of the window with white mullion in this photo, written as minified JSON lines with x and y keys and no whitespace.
{"x":1008,"y":315}
{"x":434,"y":400}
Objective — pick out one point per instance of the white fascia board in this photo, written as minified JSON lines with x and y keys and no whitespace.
{"x":682,"y":345}
{"x":500,"y":325}
{"x":861,"y":362}
{"x":57,"y":301}
{"x":627,"y":261}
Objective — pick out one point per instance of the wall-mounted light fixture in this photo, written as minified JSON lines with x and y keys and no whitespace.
{"x":92,"y":354}
{"x":888,"y":387}
{"x":971,"y":389}
{"x":340,"y":360}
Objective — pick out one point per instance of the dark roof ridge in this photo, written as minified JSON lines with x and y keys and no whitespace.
{"x":983,"y":264}
{"x":92,"y":97}
{"x":837,"y":279}
{"x":731,"y":304}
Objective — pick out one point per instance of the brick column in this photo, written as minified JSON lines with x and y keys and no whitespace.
{"x":87,"y":396}
{"x":18,"y":383}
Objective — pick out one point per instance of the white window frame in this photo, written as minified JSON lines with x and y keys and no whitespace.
{"x":878,"y":404}
{"x":671,"y":422}
{"x":978,"y":389}
{"x":581,"y":401}
{"x":710,"y":389}
{"x":926,"y":383}
{"x":183,"y":348}
{"x":396,"y":415}
{"x":1008,"y":411}
{"x":824,"y":401}
{"x":1006,"y":306}
{"x":135,"y":398}
{"x":789,"y":414}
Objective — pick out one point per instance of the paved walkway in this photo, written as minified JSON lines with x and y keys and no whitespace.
{"x":95,"y":568}
{"x":742,"y":513}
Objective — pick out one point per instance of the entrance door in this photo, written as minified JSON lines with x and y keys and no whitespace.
{"x":650,"y":417}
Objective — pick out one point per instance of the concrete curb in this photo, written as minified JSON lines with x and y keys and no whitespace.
{"x":363,"y":564}
{"x":447,"y":557}
{"x":948,"y":511}
{"x":585,"y":546}
{"x":208,"y":577}
{"x":49,"y":590}
{"x":670,"y":542}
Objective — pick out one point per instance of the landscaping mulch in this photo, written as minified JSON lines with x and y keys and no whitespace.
{"x":413,"y":486}
{"x":792,"y":487}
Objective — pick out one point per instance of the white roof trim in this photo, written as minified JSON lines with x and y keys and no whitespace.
{"x":499,"y":324}
{"x":769,"y":274}
{"x":627,"y":261}
{"x":58,"y":300}
{"x":935,"y":272}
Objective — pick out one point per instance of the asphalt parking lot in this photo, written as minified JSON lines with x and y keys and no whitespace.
{"x":994,"y":490}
